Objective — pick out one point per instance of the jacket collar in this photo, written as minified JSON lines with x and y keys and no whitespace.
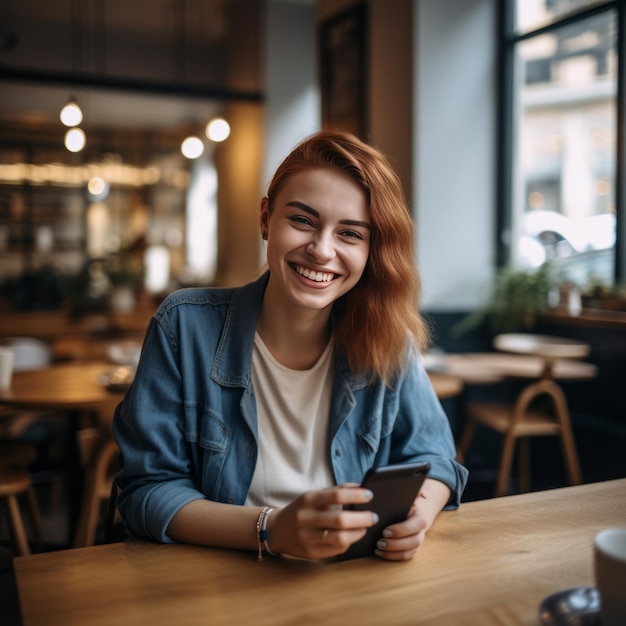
{"x":233,"y":360}
{"x":232,"y":366}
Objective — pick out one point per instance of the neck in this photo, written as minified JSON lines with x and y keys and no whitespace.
{"x":296,"y":339}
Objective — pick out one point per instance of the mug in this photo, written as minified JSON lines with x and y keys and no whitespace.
{"x":610,"y":574}
{"x":7,"y":356}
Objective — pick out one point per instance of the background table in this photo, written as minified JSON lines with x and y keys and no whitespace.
{"x":71,"y":389}
{"x":491,"y":562}
{"x":489,"y":367}
{"x":548,"y":348}
{"x":445,"y":385}
{"x":65,"y":386}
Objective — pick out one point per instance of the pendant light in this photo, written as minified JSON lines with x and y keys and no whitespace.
{"x":192,"y":147}
{"x":71,"y":114}
{"x":218,"y":129}
{"x":75,"y":139}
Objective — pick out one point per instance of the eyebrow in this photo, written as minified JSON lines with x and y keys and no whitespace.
{"x":314,"y":213}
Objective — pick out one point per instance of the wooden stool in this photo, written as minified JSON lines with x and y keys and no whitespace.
{"x":98,"y":452}
{"x":522,"y":421}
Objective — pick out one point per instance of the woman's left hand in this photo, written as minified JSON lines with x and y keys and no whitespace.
{"x":401,"y":541}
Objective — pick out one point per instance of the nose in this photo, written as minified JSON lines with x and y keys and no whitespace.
{"x":321,"y":247}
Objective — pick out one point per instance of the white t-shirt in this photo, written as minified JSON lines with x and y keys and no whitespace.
{"x":293,"y":408}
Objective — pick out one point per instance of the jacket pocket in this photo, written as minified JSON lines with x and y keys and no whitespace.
{"x":205,"y":428}
{"x":209,"y":439}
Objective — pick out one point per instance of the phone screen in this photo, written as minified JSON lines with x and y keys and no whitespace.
{"x":395,"y":488}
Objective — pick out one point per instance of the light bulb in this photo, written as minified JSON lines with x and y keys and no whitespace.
{"x":97,"y":188}
{"x":75,"y":139}
{"x":192,"y":147}
{"x":71,"y":115}
{"x":218,"y":129}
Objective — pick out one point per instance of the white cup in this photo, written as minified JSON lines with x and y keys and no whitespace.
{"x":610,"y":573}
{"x":7,"y":356}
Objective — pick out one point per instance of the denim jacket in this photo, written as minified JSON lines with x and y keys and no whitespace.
{"x":187,"y":428}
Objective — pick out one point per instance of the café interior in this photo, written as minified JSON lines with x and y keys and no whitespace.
{"x":504,"y":122}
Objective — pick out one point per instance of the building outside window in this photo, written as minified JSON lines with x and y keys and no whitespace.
{"x":560,"y":96}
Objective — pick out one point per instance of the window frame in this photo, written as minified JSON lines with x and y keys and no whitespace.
{"x":507,"y":42}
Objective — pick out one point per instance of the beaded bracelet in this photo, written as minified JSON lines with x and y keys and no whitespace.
{"x":261,"y":532}
{"x":264,"y":534}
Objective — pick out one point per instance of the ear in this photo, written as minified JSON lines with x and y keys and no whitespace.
{"x":265,"y":217}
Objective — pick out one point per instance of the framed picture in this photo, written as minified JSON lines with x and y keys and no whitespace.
{"x":343,"y":69}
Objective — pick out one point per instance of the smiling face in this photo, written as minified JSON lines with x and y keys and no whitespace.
{"x":318,"y":238}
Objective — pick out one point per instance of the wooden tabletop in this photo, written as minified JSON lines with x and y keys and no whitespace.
{"x":489,"y":367}
{"x":64,"y":386}
{"x":492,"y":562}
{"x":544,"y":346}
{"x":445,"y":385}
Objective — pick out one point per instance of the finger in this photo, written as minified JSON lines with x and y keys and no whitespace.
{"x":405,"y":555}
{"x":412,"y":525}
{"x":339,"y":540}
{"x":399,"y":548}
{"x":343,"y":495}
{"x":318,"y":521}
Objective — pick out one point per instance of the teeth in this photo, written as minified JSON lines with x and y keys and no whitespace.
{"x":318,"y":277}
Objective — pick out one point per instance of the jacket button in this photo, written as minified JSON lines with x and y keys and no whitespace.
{"x":337,"y":451}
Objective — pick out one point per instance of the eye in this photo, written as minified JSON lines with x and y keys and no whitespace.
{"x":300,"y":220}
{"x":352,"y":234}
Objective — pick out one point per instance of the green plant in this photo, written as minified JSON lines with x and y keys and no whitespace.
{"x":519,"y":297}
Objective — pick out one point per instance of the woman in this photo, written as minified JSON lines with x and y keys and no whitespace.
{"x":255,"y":412}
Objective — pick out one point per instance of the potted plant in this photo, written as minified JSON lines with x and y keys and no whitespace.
{"x":518,"y":299}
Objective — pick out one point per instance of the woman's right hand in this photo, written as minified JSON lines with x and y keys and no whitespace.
{"x":314,"y":526}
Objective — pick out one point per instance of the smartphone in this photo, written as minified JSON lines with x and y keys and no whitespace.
{"x":395,"y":488}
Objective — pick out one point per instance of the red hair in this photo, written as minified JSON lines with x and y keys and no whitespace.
{"x":379,"y":316}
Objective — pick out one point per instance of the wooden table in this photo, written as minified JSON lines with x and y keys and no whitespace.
{"x":64,"y":386}
{"x":491,"y":562}
{"x":544,"y":359}
{"x":490,"y":367}
{"x":548,"y":348}
{"x":71,"y":389}
{"x":445,"y":385}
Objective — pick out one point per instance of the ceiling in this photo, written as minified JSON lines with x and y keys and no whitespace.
{"x":146,"y":64}
{"x":39,"y":105}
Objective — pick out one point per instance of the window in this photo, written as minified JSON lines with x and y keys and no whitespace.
{"x":559,"y":191}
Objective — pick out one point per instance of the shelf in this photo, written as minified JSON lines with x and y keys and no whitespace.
{"x":588,"y":317}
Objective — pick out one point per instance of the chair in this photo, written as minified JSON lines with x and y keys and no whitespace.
{"x":98,"y":455}
{"x":15,"y":481}
{"x":526,"y":418}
